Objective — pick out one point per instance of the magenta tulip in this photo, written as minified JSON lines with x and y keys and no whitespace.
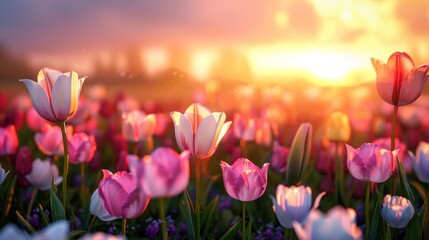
{"x":42,"y":173}
{"x":81,"y":147}
{"x":279,"y":157}
{"x":8,"y":140}
{"x":244,"y":127}
{"x":49,"y":140}
{"x":23,"y":161}
{"x":199,"y":130}
{"x":162,"y":174}
{"x":398,"y":82}
{"x":55,"y":94}
{"x":97,"y":209}
{"x":137,"y":126}
{"x":244,"y":180}
{"x":120,"y":195}
{"x":371,"y":162}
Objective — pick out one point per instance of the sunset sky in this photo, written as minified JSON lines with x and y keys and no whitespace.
{"x":329,"y":40}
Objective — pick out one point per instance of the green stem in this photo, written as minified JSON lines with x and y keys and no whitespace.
{"x":82,"y":179}
{"x":163,"y":222}
{"x":91,"y":223}
{"x":198,"y":192}
{"x":149,"y":145}
{"x":244,"y":220}
{"x":124,"y":226}
{"x":392,"y":146}
{"x":368,"y":193}
{"x":285,"y":233}
{"x":66,"y":162}
{"x":30,"y":204}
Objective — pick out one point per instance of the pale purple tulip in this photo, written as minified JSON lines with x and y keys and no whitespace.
{"x":337,"y":223}
{"x":244,"y":180}
{"x":96,"y":208}
{"x":199,"y":130}
{"x":371,"y":162}
{"x":82,"y":113}
{"x":163,"y":173}
{"x":293,"y":204}
{"x":3,"y":174}
{"x":42,"y":173}
{"x":120,"y":195}
{"x":56,"y":230}
{"x":397,"y":211}
{"x":137,"y":126}
{"x":55,"y":94}
{"x":81,"y":147}
{"x":244,"y":127}
{"x":49,"y":140}
{"x":8,"y":140}
{"x":34,"y":120}
{"x":421,"y":162}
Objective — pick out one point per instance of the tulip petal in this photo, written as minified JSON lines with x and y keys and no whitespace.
{"x":205,"y":137}
{"x":223,"y":131}
{"x":196,"y":113}
{"x":183,"y":131}
{"x":40,"y":100}
{"x":117,"y":196}
{"x":385,"y":79}
{"x":317,"y":200}
{"x":147,"y":126}
{"x":413,"y":85}
{"x":62,"y":98}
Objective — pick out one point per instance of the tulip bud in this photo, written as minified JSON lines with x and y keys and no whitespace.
{"x":339,"y":127}
{"x":23,"y":162}
{"x":397,"y":211}
{"x":299,"y":153}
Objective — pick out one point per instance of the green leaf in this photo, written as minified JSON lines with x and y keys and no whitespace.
{"x":207,"y":215}
{"x":299,"y":154}
{"x":376,"y":220}
{"x":45,"y":219}
{"x":57,"y":208}
{"x":230,"y":235}
{"x":414,"y":229}
{"x":189,"y":215}
{"x":25,"y":223}
{"x":76,"y":233}
{"x":404,"y":183}
{"x":10,"y":189}
{"x":249,"y":229}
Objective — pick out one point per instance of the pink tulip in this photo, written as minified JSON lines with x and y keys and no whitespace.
{"x":279,"y":157}
{"x":120,"y":195}
{"x":371,"y":162}
{"x":55,"y":94}
{"x":244,"y":127}
{"x":49,"y":140}
{"x":398,"y":82}
{"x":293,"y":204}
{"x":8,"y":140}
{"x":42,"y":173}
{"x":34,"y":120}
{"x":244,"y":180}
{"x":199,"y":131}
{"x":97,"y":209}
{"x":264,"y":134}
{"x":137,"y":126}
{"x":81,"y":147}
{"x":162,"y":174}
{"x":403,"y":154}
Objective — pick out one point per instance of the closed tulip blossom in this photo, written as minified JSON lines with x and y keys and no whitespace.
{"x":399,"y":83}
{"x":42,"y":173}
{"x":371,"y":162}
{"x":244,"y":127}
{"x":81,"y":147}
{"x":163,"y":173}
{"x":120,"y":195}
{"x":397,"y":211}
{"x":137,"y":126}
{"x":8,"y":140}
{"x":244,"y":180}
{"x":421,"y":162}
{"x":97,"y":209}
{"x":293,"y":204}
{"x":339,"y":127}
{"x":49,"y":140}
{"x":34,"y":120}
{"x":337,"y":223}
{"x":279,"y":157}
{"x":199,"y":130}
{"x":55,"y":95}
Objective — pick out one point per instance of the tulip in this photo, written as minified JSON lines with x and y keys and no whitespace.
{"x":263,"y":134}
{"x":404,"y":155}
{"x":199,"y":131}
{"x":127,"y":104}
{"x":293,"y":204}
{"x":337,"y":223}
{"x":42,"y":173}
{"x":244,"y":127}
{"x":97,"y":209}
{"x":81,"y":147}
{"x":34,"y":120}
{"x":421,"y":162}
{"x":56,"y":230}
{"x":371,"y":162}
{"x":164,"y":173}
{"x":244,"y":180}
{"x":397,"y":211}
{"x":49,"y":140}
{"x":100,"y":236}
{"x":3,"y":175}
{"x":120,"y":196}
{"x":339,"y":127}
{"x":399,"y":83}
{"x":299,"y":153}
{"x":137,"y":126}
{"x":8,"y":140}
{"x":279,"y":157}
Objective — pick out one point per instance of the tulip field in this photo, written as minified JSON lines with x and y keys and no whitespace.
{"x":266,"y":163}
